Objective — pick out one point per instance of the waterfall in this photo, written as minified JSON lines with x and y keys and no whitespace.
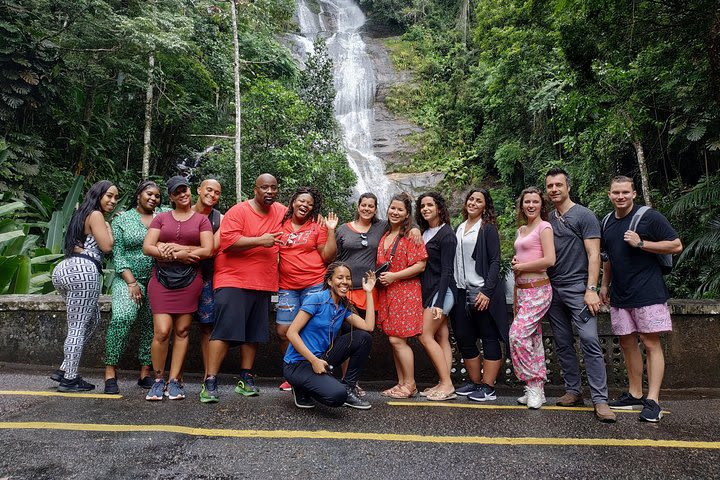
{"x":340,"y":22}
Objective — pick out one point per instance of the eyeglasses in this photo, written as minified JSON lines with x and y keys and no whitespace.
{"x":291,"y":239}
{"x":363,"y":239}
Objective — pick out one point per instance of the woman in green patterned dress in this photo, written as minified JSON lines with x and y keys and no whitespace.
{"x":129,"y":287}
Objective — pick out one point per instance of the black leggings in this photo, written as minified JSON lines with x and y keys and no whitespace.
{"x":469,"y":324}
{"x":325,"y":388}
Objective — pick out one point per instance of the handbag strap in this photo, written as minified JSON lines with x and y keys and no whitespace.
{"x":394,"y":248}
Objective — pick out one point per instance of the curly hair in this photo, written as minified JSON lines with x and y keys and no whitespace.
{"x":442,"y":208}
{"x":144,"y":185}
{"x":363,"y":197}
{"x":75,"y":235}
{"x":317,"y":202}
{"x":521,"y":217}
{"x":488,"y":214}
{"x":407,"y":201}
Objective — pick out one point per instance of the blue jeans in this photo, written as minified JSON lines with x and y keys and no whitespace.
{"x":448,"y":301}
{"x":289,"y":302}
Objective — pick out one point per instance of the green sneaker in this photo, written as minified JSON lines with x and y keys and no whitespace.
{"x":246,"y":386}
{"x":209,"y":392}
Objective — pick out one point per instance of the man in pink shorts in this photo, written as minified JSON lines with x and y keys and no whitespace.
{"x":634,"y":288}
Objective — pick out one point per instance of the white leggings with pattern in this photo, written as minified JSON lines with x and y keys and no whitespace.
{"x":78,"y":281}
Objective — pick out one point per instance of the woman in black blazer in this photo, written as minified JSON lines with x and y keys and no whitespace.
{"x":480,"y":310}
{"x":438,"y":289}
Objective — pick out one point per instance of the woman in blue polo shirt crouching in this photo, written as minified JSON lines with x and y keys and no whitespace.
{"x":316,"y":350}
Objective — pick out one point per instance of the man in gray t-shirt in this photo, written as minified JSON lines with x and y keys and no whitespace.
{"x":575,"y":301}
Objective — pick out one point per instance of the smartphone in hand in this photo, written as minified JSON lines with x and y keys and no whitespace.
{"x":585,"y":314}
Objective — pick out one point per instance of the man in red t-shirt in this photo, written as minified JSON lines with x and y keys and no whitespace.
{"x":246,"y":273}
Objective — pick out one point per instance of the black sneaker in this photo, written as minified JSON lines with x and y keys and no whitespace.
{"x":111,"y":386}
{"x":302,"y":399}
{"x":483,"y":394}
{"x":627,"y":402}
{"x":57,"y":375}
{"x":145,"y":382}
{"x":651,"y":412}
{"x":467,"y":389}
{"x":353,"y":401}
{"x":77,"y":384}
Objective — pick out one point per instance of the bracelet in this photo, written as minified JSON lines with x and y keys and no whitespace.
{"x":132,"y":284}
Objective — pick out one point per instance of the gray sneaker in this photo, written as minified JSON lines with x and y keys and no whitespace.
{"x":175,"y":390}
{"x":353,"y":401}
{"x":157,"y":391}
{"x":467,"y":389}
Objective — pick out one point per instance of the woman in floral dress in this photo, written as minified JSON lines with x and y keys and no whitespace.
{"x":400,"y":309}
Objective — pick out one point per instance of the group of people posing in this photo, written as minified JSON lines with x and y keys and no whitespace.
{"x":408,"y":276}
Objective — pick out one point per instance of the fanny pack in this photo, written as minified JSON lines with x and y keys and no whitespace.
{"x":174,"y":276}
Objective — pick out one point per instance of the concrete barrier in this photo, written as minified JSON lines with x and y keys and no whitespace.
{"x":33,"y":328}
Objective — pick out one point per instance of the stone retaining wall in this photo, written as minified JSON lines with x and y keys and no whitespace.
{"x":33,"y":327}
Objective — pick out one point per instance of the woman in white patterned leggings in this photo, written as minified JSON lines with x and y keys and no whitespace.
{"x":78,"y":278}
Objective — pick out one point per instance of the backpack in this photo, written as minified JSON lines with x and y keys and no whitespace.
{"x":664,"y":259}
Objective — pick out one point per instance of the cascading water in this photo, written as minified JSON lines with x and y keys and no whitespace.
{"x":340,"y":22}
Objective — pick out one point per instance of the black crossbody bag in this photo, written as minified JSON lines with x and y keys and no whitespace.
{"x":385,"y":266}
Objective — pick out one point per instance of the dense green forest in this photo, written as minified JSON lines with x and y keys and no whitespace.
{"x":505,"y":89}
{"x":74,"y":79}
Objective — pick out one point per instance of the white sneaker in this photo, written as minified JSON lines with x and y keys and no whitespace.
{"x":535,"y":397}
{"x":524,"y":399}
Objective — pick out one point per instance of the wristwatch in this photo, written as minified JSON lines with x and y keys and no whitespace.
{"x":640,"y":244}
{"x":592,"y":288}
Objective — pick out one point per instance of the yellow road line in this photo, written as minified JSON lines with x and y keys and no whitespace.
{"x":368,"y":436}
{"x":501,"y":407}
{"x":49,"y":393}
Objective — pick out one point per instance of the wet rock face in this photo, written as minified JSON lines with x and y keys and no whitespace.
{"x":417,"y":183}
{"x":390,"y":132}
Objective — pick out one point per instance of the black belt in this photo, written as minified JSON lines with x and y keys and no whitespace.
{"x":94,"y":261}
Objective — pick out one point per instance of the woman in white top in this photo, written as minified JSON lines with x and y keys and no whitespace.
{"x":480,"y":311}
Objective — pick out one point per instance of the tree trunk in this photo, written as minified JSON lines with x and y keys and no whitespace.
{"x":464,"y":19}
{"x":86,"y":120}
{"x":644,"y":180}
{"x":238,"y":110}
{"x":148,"y":119}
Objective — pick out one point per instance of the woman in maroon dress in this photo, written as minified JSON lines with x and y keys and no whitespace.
{"x":400,"y":309}
{"x":177,"y":240}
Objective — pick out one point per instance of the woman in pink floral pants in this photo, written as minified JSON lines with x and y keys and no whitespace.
{"x":534,"y":253}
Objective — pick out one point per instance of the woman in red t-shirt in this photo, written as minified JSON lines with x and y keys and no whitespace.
{"x":400,"y":309}
{"x":308,"y":246}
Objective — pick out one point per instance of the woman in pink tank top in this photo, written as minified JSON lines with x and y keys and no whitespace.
{"x":534,"y":253}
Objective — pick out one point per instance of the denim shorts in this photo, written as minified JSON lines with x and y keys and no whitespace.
{"x":447,"y":303}
{"x":289,"y":302}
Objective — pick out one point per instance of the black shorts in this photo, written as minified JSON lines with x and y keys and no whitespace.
{"x":241,"y":316}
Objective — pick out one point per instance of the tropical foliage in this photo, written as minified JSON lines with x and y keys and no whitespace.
{"x":505,"y":89}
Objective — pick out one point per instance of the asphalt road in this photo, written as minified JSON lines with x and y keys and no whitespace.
{"x":45,"y":435}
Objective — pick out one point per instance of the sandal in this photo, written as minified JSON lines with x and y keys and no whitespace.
{"x":403,"y":392}
{"x":359,"y":391}
{"x":428,"y":391}
{"x":441,"y":396}
{"x":389,"y":391}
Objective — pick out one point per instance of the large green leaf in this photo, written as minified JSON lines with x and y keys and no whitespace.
{"x":54,"y":238}
{"x":11,"y":207}
{"x":21,"y":281}
{"x":8,"y":267}
{"x":71,"y":199}
{"x":51,"y":258}
{"x":7,"y":236}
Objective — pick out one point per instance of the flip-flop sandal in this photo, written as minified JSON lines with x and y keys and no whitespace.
{"x":428,"y":391}
{"x":359,"y":391}
{"x":440,"y":396}
{"x":389,"y":391}
{"x":403,"y":392}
